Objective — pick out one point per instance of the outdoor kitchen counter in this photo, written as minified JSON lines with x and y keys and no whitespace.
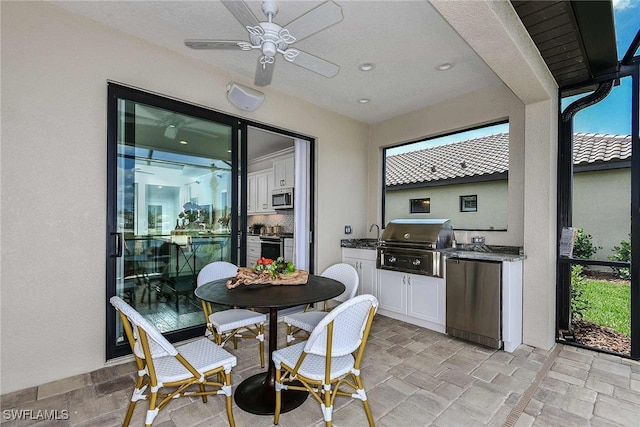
{"x":360,"y":243}
{"x":477,"y":252}
{"x":503,"y":253}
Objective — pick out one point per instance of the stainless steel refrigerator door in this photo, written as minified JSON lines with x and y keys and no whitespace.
{"x":474,"y":301}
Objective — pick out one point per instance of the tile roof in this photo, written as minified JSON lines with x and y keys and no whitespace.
{"x":489,"y":155}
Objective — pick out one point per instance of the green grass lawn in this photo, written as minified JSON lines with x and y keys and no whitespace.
{"x":608,"y":304}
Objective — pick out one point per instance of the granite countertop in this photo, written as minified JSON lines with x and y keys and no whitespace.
{"x":464,"y":251}
{"x":486,"y":252}
{"x":359,"y":243}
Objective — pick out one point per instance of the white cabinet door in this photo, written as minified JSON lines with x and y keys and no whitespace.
{"x":283,"y":172}
{"x":288,"y":250}
{"x":264,"y":186}
{"x":426,"y":298}
{"x":252,"y":194}
{"x":364,"y":261}
{"x":368,"y":278}
{"x":260,"y":187}
{"x":392,"y":291}
{"x":253,"y":250}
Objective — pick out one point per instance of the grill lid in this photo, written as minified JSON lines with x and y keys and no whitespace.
{"x":434,"y":233}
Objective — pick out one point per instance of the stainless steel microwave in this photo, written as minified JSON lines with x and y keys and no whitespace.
{"x":282,"y":198}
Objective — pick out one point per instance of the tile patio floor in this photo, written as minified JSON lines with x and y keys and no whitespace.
{"x":412,"y":376}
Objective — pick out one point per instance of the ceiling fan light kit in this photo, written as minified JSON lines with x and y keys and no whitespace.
{"x":271,"y":38}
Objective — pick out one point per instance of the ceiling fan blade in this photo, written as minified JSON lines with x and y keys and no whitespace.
{"x":241,"y":11}
{"x":315,"y":64}
{"x":323,"y":16}
{"x":213,"y":44}
{"x":264,"y":73}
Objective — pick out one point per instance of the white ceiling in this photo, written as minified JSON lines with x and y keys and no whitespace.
{"x":405,"y":39}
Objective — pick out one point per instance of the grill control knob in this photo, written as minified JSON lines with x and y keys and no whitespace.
{"x":416,"y":262}
{"x":392,"y":259}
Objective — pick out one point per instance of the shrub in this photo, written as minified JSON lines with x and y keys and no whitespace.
{"x":578,"y":301}
{"x":583,"y":246}
{"x":622,"y":253}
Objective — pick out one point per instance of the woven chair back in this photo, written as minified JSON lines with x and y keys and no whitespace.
{"x":158,"y":344}
{"x":345,"y":274}
{"x":349,"y":321}
{"x":215,"y":271}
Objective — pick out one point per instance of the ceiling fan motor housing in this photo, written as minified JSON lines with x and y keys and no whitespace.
{"x":270,"y":41}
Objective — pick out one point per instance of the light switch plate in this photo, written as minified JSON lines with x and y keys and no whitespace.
{"x":347,"y":229}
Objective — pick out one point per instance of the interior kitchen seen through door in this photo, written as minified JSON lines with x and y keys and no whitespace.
{"x":174,"y":175}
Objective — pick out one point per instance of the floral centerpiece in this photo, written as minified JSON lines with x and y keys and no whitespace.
{"x":267,"y":271}
{"x":274,"y":268}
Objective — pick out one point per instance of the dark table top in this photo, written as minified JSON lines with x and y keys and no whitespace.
{"x":317,"y":288}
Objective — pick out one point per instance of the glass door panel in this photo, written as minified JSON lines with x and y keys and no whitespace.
{"x":173,"y":180}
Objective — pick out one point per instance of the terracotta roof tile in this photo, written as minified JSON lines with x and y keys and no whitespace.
{"x":490,"y":155}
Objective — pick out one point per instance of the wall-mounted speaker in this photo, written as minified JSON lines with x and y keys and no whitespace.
{"x":244,"y":97}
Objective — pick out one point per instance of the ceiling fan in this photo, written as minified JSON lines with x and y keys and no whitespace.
{"x":271,"y":39}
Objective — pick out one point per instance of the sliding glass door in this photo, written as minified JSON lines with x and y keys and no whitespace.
{"x":172,"y":207}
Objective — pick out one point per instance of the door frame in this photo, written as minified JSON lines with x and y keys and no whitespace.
{"x":114,"y":241}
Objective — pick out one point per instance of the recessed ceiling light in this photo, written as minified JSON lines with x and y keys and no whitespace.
{"x":444,"y":67}
{"x":367,"y":66}
{"x":183,"y":142}
{"x":363,"y":100}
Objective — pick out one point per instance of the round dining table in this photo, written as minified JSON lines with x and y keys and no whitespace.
{"x":256,"y":394}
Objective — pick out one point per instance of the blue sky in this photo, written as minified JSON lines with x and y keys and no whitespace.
{"x":611,"y":116}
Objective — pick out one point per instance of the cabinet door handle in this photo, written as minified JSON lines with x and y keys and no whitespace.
{"x":408,"y":280}
{"x":404,"y":279}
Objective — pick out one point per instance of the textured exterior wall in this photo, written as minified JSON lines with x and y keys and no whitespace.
{"x":492,"y":206}
{"x":55,"y":68}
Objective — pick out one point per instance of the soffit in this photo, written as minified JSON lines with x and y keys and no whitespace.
{"x":576,"y":39}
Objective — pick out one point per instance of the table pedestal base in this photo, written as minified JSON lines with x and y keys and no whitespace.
{"x":257,"y":396}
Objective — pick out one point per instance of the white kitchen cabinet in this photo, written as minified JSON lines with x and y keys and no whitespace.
{"x":259,"y":189}
{"x":289,"y":251}
{"x":413,"y":298}
{"x":364,"y":261}
{"x":253,"y":250}
{"x":283,"y":172}
{"x":252,"y":194}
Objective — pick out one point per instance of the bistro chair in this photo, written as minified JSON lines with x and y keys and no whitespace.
{"x":305,"y":322}
{"x":161,"y":365}
{"x":328,"y":363}
{"x":232,"y":323}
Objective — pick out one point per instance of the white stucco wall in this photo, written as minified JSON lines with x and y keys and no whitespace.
{"x":478,"y":108}
{"x":53,"y":167}
{"x":492,"y":208}
{"x":495,"y":32}
{"x":601,"y":201}
{"x":55,"y":68}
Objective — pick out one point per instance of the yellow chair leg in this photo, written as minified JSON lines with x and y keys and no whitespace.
{"x":289,"y":333}
{"x":227,"y":379}
{"x":152,"y":406}
{"x":327,"y":404}
{"x":276,"y":414}
{"x":365,"y":403}
{"x":132,"y":404}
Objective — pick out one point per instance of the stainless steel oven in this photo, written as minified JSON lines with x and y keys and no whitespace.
{"x":271,"y":246}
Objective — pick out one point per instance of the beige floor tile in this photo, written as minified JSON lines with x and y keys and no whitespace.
{"x":412,"y":377}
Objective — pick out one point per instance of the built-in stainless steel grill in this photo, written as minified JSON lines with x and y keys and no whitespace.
{"x":412,"y":246}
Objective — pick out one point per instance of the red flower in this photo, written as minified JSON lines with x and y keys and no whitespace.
{"x":267,"y":261}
